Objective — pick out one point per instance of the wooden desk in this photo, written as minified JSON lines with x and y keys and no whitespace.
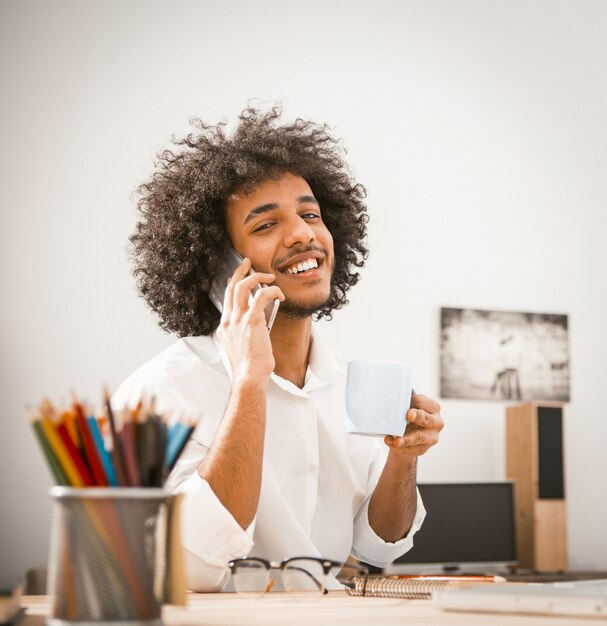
{"x":275,"y":609}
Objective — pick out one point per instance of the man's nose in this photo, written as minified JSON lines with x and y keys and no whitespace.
{"x":298,"y":231}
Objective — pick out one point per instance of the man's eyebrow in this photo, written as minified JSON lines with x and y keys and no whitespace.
{"x":264,"y":208}
{"x":272,"y":206}
{"x":307,"y":200}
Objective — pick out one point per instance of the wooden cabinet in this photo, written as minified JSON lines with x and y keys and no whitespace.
{"x":535,"y":461}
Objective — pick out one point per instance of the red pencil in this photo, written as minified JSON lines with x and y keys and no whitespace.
{"x":89,"y":446}
{"x":74,"y":453}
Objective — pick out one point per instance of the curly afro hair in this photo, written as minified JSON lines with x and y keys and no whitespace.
{"x":181,"y":235}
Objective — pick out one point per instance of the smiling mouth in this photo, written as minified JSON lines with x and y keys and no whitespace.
{"x":303,"y":267}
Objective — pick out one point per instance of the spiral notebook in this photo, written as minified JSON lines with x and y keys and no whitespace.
{"x":414,"y":587}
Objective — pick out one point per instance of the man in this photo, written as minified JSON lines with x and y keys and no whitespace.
{"x":270,"y":470}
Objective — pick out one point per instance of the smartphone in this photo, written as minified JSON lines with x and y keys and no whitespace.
{"x":230,"y":262}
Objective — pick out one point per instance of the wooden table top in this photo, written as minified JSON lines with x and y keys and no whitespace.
{"x":337,"y":608}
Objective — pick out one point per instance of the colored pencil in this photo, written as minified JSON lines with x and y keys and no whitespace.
{"x":90,"y":450}
{"x":72,"y":428}
{"x":75,"y":455}
{"x":52,"y":459}
{"x":182,"y":436}
{"x":104,"y":455}
{"x":127,"y":435}
{"x":61,"y":453}
{"x":140,"y":450}
{"x":117,"y":456}
{"x":149,"y":448}
{"x":161,"y":446}
{"x":179,"y":436}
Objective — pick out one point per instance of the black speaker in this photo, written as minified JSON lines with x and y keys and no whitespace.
{"x":550,"y":452}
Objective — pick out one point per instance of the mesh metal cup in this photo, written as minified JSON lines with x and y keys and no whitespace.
{"x":108,"y":554}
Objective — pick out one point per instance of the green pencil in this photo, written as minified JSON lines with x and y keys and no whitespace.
{"x":53,"y":462}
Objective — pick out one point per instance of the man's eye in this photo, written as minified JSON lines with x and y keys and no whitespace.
{"x":310,"y":216}
{"x":262,"y":227}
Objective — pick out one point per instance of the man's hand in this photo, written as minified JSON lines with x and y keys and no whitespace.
{"x":233,"y":465}
{"x":422,"y":431}
{"x":242,"y":329}
{"x":393,"y":503}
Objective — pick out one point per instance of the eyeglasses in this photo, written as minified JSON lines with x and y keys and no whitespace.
{"x":252,"y":576}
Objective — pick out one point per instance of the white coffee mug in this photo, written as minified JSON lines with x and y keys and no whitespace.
{"x":378,"y":395}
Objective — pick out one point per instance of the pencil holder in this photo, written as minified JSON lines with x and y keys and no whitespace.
{"x":109,"y":555}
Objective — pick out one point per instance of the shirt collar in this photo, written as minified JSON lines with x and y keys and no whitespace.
{"x":322,"y":359}
{"x":322,"y":368}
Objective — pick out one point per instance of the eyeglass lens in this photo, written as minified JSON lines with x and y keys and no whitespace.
{"x":303,"y":575}
{"x":252,"y":578}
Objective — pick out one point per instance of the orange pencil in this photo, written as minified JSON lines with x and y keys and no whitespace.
{"x":64,"y":458}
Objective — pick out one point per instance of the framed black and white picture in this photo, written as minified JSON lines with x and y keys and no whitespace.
{"x":504,"y":355}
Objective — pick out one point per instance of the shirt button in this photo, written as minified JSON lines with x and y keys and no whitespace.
{"x":312,"y":467}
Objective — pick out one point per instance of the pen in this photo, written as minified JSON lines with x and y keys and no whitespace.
{"x":450,"y":578}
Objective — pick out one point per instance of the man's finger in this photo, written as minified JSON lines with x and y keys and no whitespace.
{"x":261,"y":299}
{"x":417,"y":437}
{"x":419,"y":401}
{"x":242,"y":289}
{"x":423,"y":419}
{"x":228,"y":300}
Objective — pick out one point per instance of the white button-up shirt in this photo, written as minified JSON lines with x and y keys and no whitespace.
{"x":317,"y":479}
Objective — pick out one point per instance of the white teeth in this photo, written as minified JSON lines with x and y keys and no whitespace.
{"x":302,"y":267}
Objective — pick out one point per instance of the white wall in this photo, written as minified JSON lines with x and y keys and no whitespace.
{"x":478,"y":128}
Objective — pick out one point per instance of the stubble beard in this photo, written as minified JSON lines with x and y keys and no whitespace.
{"x":297,"y":309}
{"x":300,"y":310}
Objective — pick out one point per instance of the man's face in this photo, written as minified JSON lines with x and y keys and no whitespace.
{"x":279,"y":227}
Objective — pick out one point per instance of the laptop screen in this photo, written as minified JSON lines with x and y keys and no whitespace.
{"x":466,"y":523}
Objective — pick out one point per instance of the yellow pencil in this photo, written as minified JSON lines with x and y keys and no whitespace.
{"x":61,"y":453}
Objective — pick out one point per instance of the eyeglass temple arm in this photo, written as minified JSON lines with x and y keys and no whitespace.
{"x":305,"y":571}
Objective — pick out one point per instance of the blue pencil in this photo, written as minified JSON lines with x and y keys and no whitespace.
{"x":179,"y":436}
{"x":104,"y":455}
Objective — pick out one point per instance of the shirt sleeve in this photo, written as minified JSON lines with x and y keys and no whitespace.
{"x":210,"y":535}
{"x":372,"y":549}
{"x":367,"y":546}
